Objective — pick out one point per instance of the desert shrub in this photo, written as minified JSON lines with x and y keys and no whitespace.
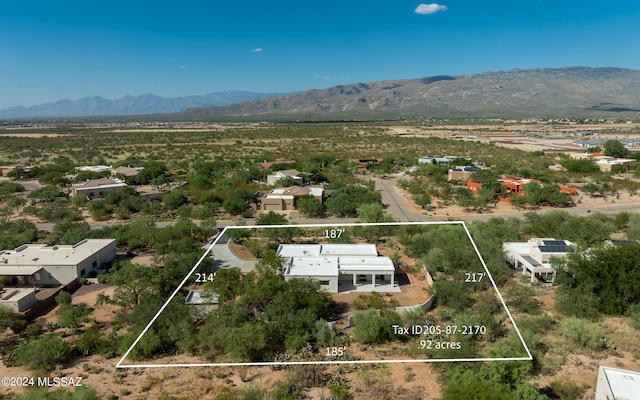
{"x":634,"y":315}
{"x":34,"y":330}
{"x":566,"y":390}
{"x":41,"y":393}
{"x":63,"y":299}
{"x":44,"y":354}
{"x":255,"y":247}
{"x":521,"y":299}
{"x":19,"y":323}
{"x":324,"y":335}
{"x":73,"y":316}
{"x":583,"y":334}
{"x":371,"y":328}
{"x":451,"y":294}
{"x":94,"y":342}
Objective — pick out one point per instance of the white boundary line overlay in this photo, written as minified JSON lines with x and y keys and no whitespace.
{"x":529,"y":356}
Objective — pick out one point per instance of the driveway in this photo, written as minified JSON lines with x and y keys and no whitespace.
{"x":224,"y":258}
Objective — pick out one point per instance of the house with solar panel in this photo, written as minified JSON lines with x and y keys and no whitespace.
{"x":535,"y":256}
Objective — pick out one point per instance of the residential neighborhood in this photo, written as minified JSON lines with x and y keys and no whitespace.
{"x":349,"y":253}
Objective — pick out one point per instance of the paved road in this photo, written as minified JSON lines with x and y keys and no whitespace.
{"x":395,"y":202}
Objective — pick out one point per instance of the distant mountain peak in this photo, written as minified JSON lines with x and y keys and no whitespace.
{"x":128,"y":105}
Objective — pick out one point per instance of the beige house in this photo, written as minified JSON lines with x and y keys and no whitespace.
{"x":461,"y":174}
{"x":283,"y":199}
{"x":18,"y":300}
{"x":605,"y":163}
{"x":5,"y":170}
{"x":43,"y":265}
{"x":96,"y":188}
{"x":127,"y":172}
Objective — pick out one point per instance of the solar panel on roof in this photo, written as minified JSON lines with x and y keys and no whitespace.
{"x":554,"y":242}
{"x":531,"y":261}
{"x":553,"y":249}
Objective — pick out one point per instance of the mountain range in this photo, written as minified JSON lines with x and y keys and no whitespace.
{"x":559,"y":92}
{"x":562,"y":92}
{"x":128,"y":105}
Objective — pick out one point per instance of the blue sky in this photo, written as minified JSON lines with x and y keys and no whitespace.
{"x":50,"y":50}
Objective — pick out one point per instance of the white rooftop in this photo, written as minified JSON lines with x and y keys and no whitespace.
{"x":196,"y":296}
{"x":17,"y":270}
{"x":42,"y":254}
{"x":332,"y":266}
{"x":373,"y":264}
{"x":15,"y":294}
{"x":624,"y":385}
{"x":313,"y":266}
{"x":517,"y":247}
{"x":314,"y":250}
{"x":94,"y":168}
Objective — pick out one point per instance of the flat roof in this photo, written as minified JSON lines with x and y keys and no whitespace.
{"x":16,"y":294}
{"x":332,"y":266}
{"x":624,"y":385}
{"x":197,"y":296}
{"x":13,"y":270}
{"x":314,"y":250}
{"x":41,"y":254}
{"x":313,"y":266}
{"x":517,"y":247}
{"x":373,"y":264}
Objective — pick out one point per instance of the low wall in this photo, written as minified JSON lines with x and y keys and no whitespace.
{"x":44,"y":306}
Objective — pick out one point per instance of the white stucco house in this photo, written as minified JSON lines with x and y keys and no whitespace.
{"x":340,"y":267}
{"x":535,"y":255}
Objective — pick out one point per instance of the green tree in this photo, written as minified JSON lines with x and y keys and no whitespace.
{"x":584,"y":166}
{"x":607,"y":278}
{"x":201,"y":182}
{"x":132,"y":282}
{"x":615,"y":148}
{"x":174,"y":199}
{"x":310,"y":206}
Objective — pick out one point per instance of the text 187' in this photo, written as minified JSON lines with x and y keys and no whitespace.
{"x":333,"y":233}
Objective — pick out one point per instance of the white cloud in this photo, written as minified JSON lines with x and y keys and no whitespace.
{"x":257,"y":50}
{"x":426,"y":9}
